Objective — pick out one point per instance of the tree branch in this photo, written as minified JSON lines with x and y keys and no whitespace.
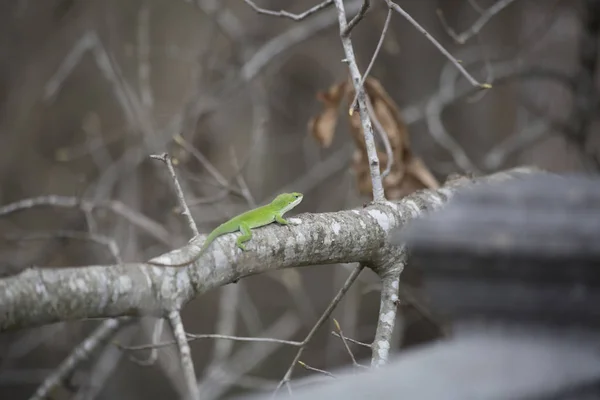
{"x":441,"y":48}
{"x":286,"y":14}
{"x":378,"y":192}
{"x":484,"y":18}
{"x":390,"y":283}
{"x":185,"y":355}
{"x":81,"y":353}
{"x":41,"y":296}
{"x":332,"y":305}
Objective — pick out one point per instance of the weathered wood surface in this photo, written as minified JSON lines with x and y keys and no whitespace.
{"x":523,"y":249}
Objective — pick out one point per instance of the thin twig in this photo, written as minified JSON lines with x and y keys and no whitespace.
{"x":384,"y":138}
{"x":433,"y":109}
{"x":202,"y":159}
{"x":102,"y":370}
{"x":106,"y":241}
{"x":405,"y":294}
{"x":441,"y":48}
{"x":352,"y":340}
{"x":229,"y":300}
{"x":250,"y":314}
{"x":332,"y":305}
{"x":143,"y":47}
{"x":211,"y":199}
{"x":26,"y":343}
{"x":180,"y":196}
{"x":285,"y":14}
{"x":484,"y":18}
{"x":357,"y":18}
{"x":216,"y":381}
{"x":319,"y":172}
{"x":515,"y":143}
{"x":156,"y":334}
{"x":386,"y":26}
{"x":476,"y":6}
{"x":320,"y":371}
{"x":286,"y":41}
{"x":185,"y":354}
{"x":229,"y":297}
{"x":244,"y":189}
{"x":378,"y":192}
{"x":341,"y":336}
{"x":134,"y":217}
{"x":96,"y":143}
{"x":81,"y":353}
{"x":194,"y":336}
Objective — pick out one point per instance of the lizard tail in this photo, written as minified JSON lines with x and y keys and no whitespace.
{"x":209,"y":239}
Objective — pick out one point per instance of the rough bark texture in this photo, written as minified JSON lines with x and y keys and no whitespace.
{"x":41,"y":296}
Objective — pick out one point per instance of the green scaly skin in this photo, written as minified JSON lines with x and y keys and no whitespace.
{"x":261,"y":216}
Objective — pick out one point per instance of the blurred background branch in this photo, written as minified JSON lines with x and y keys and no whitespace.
{"x":250,"y":98}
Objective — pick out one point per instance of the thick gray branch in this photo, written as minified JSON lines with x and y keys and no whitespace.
{"x":390,"y":284}
{"x":41,"y":296}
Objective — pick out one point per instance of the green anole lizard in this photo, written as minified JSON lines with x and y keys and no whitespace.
{"x":261,"y":216}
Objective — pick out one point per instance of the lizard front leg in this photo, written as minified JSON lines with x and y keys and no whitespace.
{"x":279,"y":218}
{"x":245,"y":236}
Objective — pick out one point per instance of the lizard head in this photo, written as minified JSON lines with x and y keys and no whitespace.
{"x":286,"y":201}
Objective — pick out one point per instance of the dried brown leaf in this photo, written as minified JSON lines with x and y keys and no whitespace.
{"x":322,"y":127}
{"x":408,"y":172}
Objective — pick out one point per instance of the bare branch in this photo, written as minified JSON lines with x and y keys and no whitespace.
{"x":40,"y":296}
{"x":352,"y":340}
{"x":390,"y":283}
{"x":180,"y":196}
{"x":357,"y":18}
{"x":227,"y":374}
{"x":516,"y":142}
{"x":151,"y":227}
{"x":196,"y":336}
{"x":476,"y":6}
{"x":156,"y":334}
{"x":185,"y":354}
{"x":441,"y":48}
{"x":437,"y":130}
{"x":386,"y":26}
{"x":106,"y":241}
{"x":81,"y":353}
{"x":345,"y":342}
{"x":406,"y":295}
{"x":384,"y":138}
{"x":320,"y":371}
{"x":378,"y":192}
{"x":143,"y":47}
{"x":26,"y":343}
{"x":203,"y":160}
{"x":332,"y":305}
{"x":104,"y":366}
{"x":91,"y":42}
{"x":244,"y":189}
{"x":287,"y":40}
{"x":483,"y":19}
{"x":283,"y":13}
{"x":226,"y":20}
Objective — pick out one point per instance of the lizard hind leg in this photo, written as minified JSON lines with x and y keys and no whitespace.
{"x":244,"y":237}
